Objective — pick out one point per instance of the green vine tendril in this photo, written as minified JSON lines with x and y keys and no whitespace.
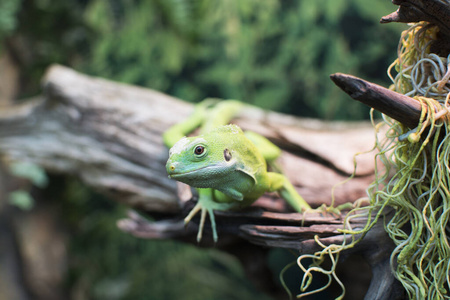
{"x":412,"y":177}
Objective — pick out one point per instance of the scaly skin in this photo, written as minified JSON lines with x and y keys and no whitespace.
{"x":224,"y":164}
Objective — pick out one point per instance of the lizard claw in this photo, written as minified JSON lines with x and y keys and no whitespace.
{"x":192,"y":213}
{"x":204,"y":210}
{"x":332,"y":210}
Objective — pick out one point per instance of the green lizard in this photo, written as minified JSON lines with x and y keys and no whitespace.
{"x":227,"y":167}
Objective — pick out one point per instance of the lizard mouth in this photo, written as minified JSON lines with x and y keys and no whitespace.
{"x":176,"y":175}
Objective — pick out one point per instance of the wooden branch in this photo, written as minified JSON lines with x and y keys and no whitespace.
{"x":281,"y":230}
{"x":434,"y":11}
{"x":109,"y":134}
{"x":402,"y":108}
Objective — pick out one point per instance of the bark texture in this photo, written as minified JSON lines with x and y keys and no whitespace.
{"x":109,"y":134}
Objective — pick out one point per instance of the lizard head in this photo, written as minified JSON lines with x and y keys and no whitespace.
{"x":204,"y":161}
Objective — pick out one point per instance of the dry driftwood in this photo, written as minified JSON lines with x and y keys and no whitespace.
{"x":397,"y":106}
{"x":109,"y":134}
{"x":433,"y":11}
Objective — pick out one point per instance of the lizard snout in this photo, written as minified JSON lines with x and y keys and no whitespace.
{"x":171,"y":167}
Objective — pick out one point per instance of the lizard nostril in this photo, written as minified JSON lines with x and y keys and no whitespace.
{"x":171,"y":167}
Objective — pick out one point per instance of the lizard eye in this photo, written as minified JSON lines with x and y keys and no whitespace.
{"x":199,"y":150}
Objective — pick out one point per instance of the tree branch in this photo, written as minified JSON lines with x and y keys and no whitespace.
{"x":109,"y":134}
{"x":434,"y":11}
{"x":402,"y":108}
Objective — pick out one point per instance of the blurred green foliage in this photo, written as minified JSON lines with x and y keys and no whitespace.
{"x":277,"y":54}
{"x":22,"y":199}
{"x":274,"y":54}
{"x":34,"y":174}
{"x":8,"y":18}
{"x":107,"y":264}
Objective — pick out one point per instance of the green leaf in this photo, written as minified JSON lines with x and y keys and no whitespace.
{"x":30,"y":171}
{"x":21,"y":199}
{"x":8,"y":15}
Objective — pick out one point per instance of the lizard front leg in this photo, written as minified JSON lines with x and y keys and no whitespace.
{"x":207,"y":205}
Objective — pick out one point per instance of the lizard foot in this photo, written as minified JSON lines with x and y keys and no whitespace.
{"x":204,"y":210}
{"x":207,"y":205}
{"x":335,"y":211}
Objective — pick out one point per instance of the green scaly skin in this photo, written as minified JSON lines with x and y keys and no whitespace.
{"x":227,"y":167}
